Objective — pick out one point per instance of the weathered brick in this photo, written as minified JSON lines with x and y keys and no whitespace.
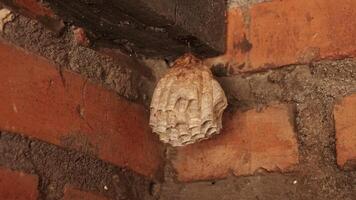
{"x":36,"y":10}
{"x":345,"y":118}
{"x":72,"y":112}
{"x":277,"y":33}
{"x":33,"y":8}
{"x":250,"y":140}
{"x":17,"y":185}
{"x":75,"y":194}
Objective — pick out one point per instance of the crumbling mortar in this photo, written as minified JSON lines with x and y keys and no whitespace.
{"x":313,"y":90}
{"x":306,"y":86}
{"x":77,"y":169}
{"x":67,"y":55}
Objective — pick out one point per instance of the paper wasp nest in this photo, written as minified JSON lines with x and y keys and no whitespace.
{"x":187,"y":104}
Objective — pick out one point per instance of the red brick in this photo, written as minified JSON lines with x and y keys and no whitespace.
{"x":36,"y":10}
{"x":35,"y":102}
{"x":235,"y":55}
{"x":33,"y":8}
{"x":345,"y":118}
{"x":74,"y":194}
{"x":236,"y":33}
{"x":17,"y":185}
{"x":249,"y":141}
{"x":290,"y":32}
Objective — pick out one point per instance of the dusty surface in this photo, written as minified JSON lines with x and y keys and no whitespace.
{"x":155,"y":28}
{"x":57,"y":167}
{"x":118,"y":75}
{"x":129,"y":77}
{"x":313,"y":90}
{"x":70,"y":111}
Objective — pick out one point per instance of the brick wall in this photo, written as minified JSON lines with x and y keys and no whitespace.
{"x":74,"y":121}
{"x":277,"y":33}
{"x":73,"y":125}
{"x":289,"y":74}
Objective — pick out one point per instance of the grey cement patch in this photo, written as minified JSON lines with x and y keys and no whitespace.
{"x":313,"y":90}
{"x":66,"y":54}
{"x":57,"y":167}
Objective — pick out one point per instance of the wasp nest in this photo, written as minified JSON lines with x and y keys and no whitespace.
{"x":187,"y":104}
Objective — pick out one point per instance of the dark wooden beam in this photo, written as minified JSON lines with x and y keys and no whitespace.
{"x":155,"y":28}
